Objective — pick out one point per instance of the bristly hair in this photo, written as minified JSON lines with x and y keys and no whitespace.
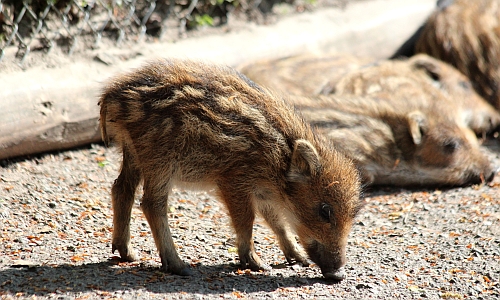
{"x":361,"y":202}
{"x":359,"y":206}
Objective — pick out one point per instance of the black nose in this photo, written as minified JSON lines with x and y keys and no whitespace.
{"x":489,"y":177}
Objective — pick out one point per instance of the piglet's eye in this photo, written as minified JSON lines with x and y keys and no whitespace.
{"x":465,"y":85}
{"x":451,"y":146}
{"x":325,"y":212}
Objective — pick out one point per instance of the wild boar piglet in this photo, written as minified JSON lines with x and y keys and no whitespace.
{"x":306,"y":74}
{"x":398,"y":145}
{"x":180,"y":122}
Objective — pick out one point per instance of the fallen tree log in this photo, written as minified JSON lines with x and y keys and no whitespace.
{"x":54,"y":109}
{"x":34,"y":120}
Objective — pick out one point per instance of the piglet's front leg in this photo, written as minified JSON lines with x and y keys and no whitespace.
{"x":242,"y":213}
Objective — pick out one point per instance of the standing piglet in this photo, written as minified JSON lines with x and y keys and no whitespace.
{"x":184,"y":122}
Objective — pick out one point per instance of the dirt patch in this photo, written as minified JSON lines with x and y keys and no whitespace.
{"x":56,"y":223}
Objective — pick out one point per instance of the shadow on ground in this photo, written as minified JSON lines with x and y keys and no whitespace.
{"x":111,"y":276}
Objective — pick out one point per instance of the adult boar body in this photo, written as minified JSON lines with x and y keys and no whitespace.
{"x":466,"y":35}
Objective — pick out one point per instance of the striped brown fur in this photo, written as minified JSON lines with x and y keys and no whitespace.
{"x":466,"y":34}
{"x":397,"y":147}
{"x":375,"y":107}
{"x":425,"y":83}
{"x":305,"y":74}
{"x":181,"y":122}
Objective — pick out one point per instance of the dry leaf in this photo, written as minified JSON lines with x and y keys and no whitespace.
{"x":451,"y":295}
{"x":77,"y":258}
{"x":237,"y":294}
{"x":413,"y":288}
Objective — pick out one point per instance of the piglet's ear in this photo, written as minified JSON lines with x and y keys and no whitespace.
{"x":305,"y":161}
{"x":417,"y":124}
{"x":429,"y":65}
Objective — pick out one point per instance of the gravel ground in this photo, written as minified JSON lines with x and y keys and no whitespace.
{"x":56,"y":223}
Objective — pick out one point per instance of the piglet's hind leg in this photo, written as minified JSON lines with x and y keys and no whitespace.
{"x":122,"y":194}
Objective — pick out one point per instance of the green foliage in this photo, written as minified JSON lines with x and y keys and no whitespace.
{"x":207,"y":12}
{"x":204,"y":13}
{"x":220,"y":2}
{"x":103,"y":163}
{"x":203,"y":20}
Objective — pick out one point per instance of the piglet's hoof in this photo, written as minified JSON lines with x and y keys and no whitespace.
{"x":180,"y":270}
{"x":184,"y":272}
{"x":257,"y":267}
{"x":304,"y":262}
{"x":126,"y":252}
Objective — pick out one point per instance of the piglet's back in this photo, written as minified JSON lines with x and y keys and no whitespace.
{"x":203,"y":112}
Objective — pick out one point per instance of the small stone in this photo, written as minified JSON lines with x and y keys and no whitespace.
{"x":364,"y":286}
{"x":45,"y":230}
{"x":296,"y":267}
